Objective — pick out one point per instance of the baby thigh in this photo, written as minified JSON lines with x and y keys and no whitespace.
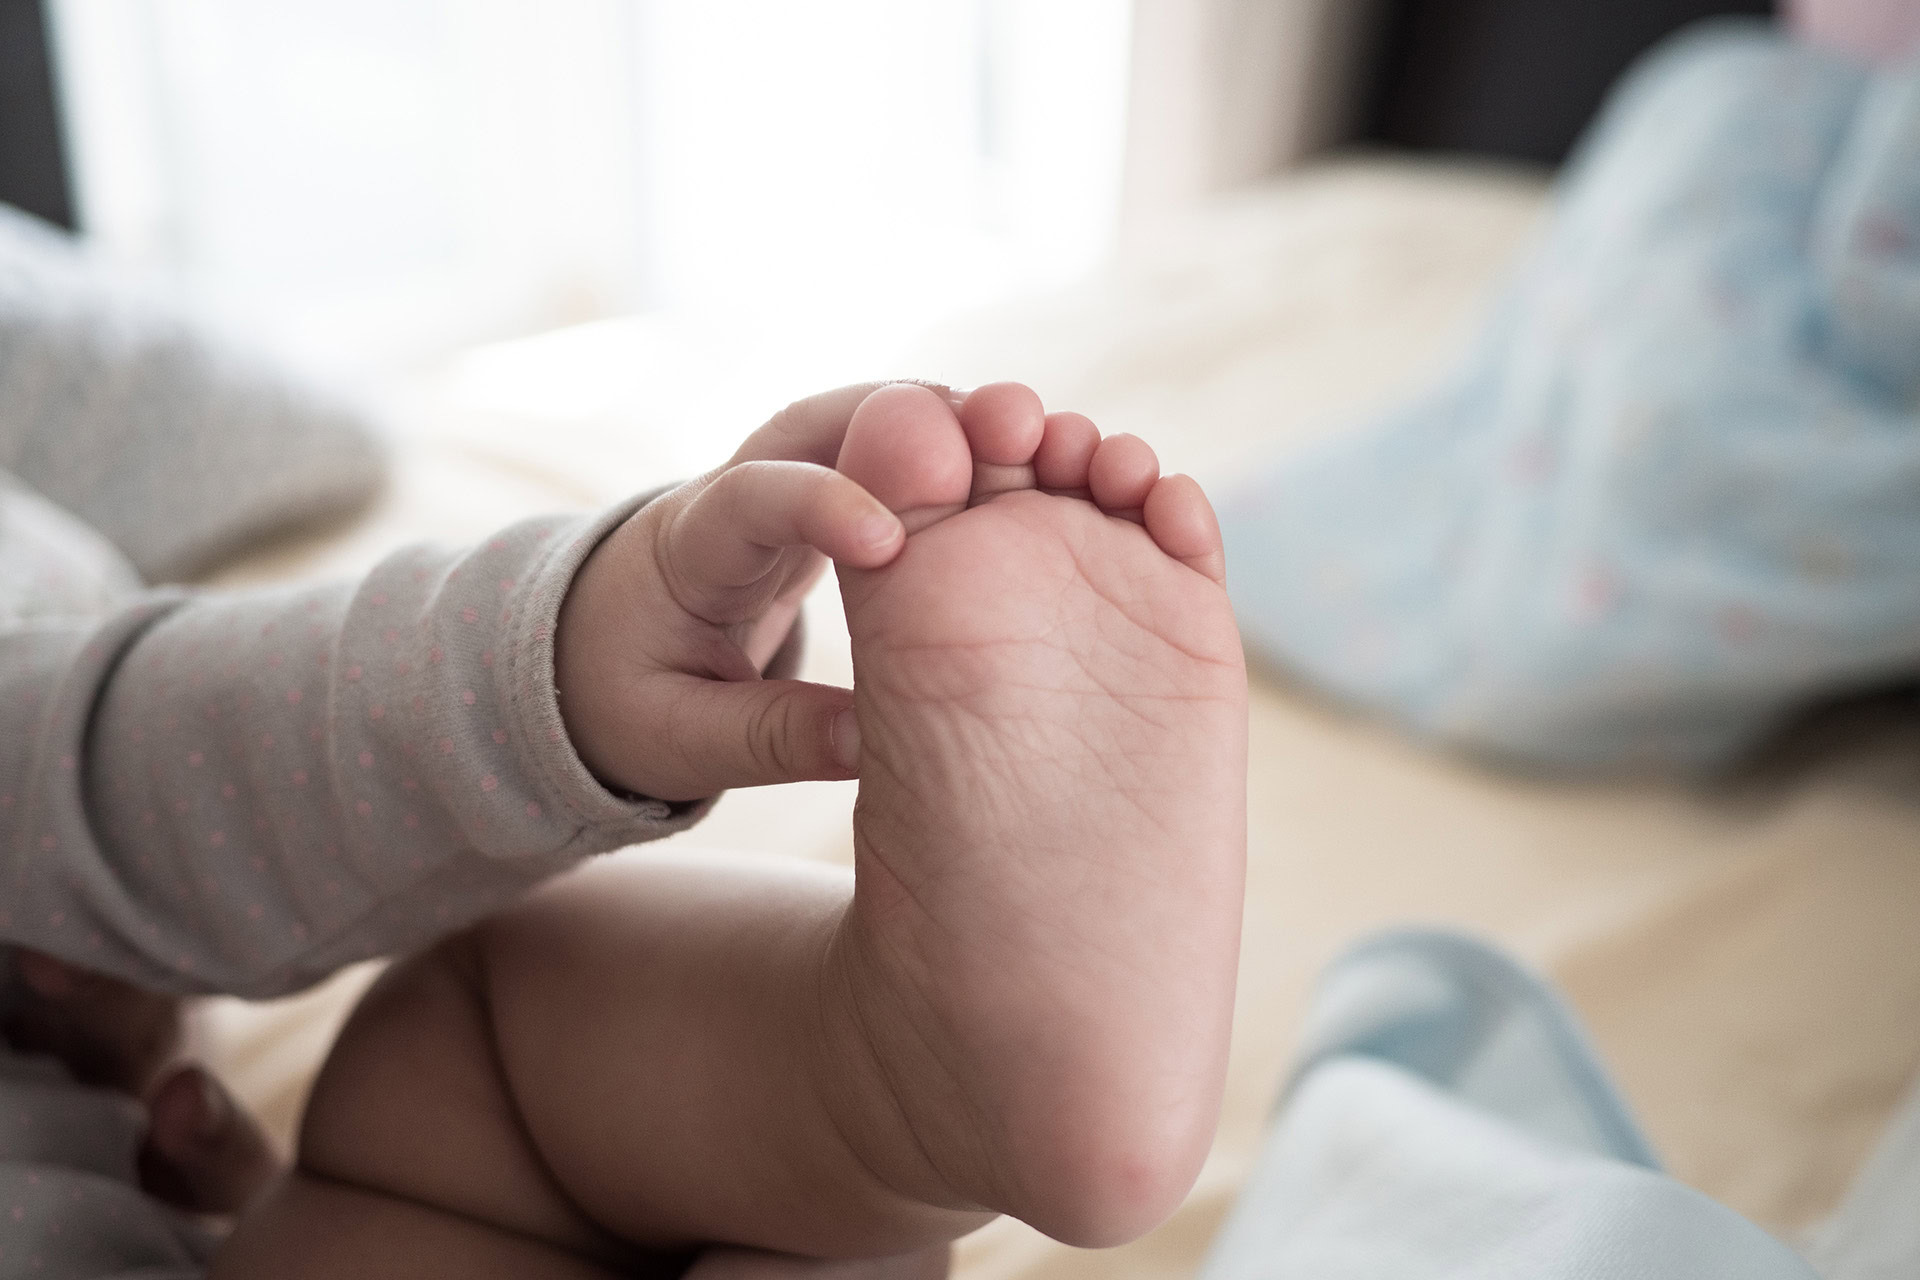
{"x":621,"y":1069}
{"x":412,"y":1161}
{"x":312,"y":1228}
{"x":685,"y":1056}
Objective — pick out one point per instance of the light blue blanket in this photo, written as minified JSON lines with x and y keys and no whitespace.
{"x":1675,"y":491}
{"x":1449,"y":1121}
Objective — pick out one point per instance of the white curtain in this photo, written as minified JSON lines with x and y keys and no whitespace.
{"x":365,"y":181}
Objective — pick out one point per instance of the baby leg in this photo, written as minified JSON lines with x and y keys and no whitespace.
{"x":1023,"y":1010}
{"x":646,"y":1057}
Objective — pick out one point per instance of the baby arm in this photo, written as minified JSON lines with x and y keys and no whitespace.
{"x":243,"y":792}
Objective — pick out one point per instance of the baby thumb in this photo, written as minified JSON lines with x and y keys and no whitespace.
{"x":756,"y":733}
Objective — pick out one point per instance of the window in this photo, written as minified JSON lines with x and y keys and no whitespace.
{"x":371,"y":182}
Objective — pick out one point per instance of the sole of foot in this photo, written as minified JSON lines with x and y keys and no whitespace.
{"x":1050,"y":833}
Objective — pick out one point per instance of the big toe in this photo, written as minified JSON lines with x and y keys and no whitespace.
{"x":905,"y":446}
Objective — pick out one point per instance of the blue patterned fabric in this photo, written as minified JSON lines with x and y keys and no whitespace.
{"x":1675,"y":490}
{"x":1449,"y":1121}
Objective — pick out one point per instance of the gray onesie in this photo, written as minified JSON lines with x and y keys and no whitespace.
{"x":241,"y":793}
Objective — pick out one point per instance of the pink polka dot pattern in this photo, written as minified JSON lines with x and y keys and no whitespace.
{"x":288,"y":779}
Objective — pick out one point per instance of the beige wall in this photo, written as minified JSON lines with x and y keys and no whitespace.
{"x":1229,"y":91}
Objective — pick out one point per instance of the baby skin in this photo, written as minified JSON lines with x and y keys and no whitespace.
{"x":1019,"y":1002}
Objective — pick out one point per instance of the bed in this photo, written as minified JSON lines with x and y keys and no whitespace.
{"x":1747,"y":954}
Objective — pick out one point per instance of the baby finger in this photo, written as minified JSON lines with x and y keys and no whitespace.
{"x":732,"y":534}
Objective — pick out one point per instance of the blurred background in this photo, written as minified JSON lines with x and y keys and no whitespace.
{"x":370,"y":186}
{"x":380,"y":180}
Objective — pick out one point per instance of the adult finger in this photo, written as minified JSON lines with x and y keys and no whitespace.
{"x":810,"y":430}
{"x":203,"y":1152}
{"x":105,"y":1032}
{"x":732,"y":532}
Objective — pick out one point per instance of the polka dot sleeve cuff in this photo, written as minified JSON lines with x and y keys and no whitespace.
{"x":243,"y":792}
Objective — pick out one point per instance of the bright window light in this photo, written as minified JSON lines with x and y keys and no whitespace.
{"x":368,"y":183}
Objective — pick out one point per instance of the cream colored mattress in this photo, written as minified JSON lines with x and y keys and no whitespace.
{"x":1748,"y":956}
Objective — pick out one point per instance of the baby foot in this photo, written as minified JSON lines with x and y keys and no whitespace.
{"x":1050,"y":833}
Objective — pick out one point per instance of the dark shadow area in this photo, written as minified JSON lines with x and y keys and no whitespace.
{"x":1868,"y":740}
{"x":33,"y":157}
{"x":1513,"y":78}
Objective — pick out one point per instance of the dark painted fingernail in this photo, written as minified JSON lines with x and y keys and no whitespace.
{"x":215,"y":1110}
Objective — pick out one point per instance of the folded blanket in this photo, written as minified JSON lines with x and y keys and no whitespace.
{"x":180,"y":447}
{"x":1448,"y":1119}
{"x":1675,"y":490}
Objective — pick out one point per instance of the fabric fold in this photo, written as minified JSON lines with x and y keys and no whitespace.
{"x":1667,"y":499}
{"x":1448,"y":1120}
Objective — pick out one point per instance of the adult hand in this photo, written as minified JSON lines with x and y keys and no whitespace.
{"x":202,"y":1152}
{"x":107,"y":1033}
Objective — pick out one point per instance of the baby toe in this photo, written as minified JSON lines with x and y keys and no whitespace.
{"x":1122,"y":473}
{"x":1181,"y":522}
{"x":905,"y":446}
{"x":1004,"y":422}
{"x":1065,"y":453}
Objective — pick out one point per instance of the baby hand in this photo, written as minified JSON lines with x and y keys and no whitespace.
{"x":673,"y":622}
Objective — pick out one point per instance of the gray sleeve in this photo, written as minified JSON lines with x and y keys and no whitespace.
{"x":241,"y":793}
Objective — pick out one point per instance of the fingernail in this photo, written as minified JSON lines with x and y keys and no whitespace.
{"x":878,"y":531}
{"x":844,"y":736}
{"x":213,"y":1110}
